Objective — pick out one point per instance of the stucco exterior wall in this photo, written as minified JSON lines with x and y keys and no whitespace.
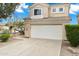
{"x":57,"y":13}
{"x":52,"y":21}
{"x":44,"y":12}
{"x":47,"y":11}
{"x":27,"y":28}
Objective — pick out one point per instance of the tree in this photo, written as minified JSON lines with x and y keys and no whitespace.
{"x":6,"y":9}
{"x":19,"y":25}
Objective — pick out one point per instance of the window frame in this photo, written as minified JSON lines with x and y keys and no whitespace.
{"x":61,"y":11}
{"x":37,"y":13}
{"x":54,"y":10}
{"x":57,"y":10}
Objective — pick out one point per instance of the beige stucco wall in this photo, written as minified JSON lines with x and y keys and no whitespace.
{"x":27,"y":28}
{"x":59,"y":14}
{"x":51,"y":21}
{"x":44,"y":12}
{"x":47,"y":11}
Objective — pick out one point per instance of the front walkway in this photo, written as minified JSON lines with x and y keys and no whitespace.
{"x":32,"y":47}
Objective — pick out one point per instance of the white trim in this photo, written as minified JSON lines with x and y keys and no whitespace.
{"x":37,"y":8}
{"x":57,"y":10}
{"x":37,"y":16}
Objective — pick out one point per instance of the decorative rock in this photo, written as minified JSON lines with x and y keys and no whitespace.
{"x":72,"y":50}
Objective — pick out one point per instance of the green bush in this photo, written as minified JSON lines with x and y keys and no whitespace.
{"x":4,"y":37}
{"x":72,"y":33}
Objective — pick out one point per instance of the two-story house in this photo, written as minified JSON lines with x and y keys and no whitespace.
{"x":46,"y":21}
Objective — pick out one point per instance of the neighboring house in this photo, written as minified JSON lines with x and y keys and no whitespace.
{"x":1,"y":27}
{"x":46,"y":21}
{"x":78,"y":19}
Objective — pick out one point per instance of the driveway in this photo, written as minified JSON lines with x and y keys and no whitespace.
{"x":32,"y":47}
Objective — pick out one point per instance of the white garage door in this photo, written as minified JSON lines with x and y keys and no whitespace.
{"x":46,"y":31}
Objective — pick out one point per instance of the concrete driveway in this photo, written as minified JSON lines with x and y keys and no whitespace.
{"x":32,"y":47}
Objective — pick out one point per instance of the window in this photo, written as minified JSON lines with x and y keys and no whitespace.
{"x":37,"y":11}
{"x":60,"y":9}
{"x":54,"y":10}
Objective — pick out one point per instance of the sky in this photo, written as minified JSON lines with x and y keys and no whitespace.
{"x":22,"y":11}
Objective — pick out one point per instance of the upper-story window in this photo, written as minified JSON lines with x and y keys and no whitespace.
{"x":54,"y":10}
{"x":61,"y":10}
{"x":37,"y":11}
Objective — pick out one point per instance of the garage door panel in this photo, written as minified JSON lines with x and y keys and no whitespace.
{"x":46,"y":31}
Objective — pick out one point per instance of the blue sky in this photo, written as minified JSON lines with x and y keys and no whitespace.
{"x":22,"y":11}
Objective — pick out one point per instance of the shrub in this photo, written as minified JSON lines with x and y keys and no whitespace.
{"x":4,"y":37}
{"x":72,"y":33}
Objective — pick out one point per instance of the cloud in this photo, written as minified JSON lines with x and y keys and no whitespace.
{"x":74,"y":8}
{"x":24,"y":6}
{"x":72,"y":12}
{"x":20,"y":8}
